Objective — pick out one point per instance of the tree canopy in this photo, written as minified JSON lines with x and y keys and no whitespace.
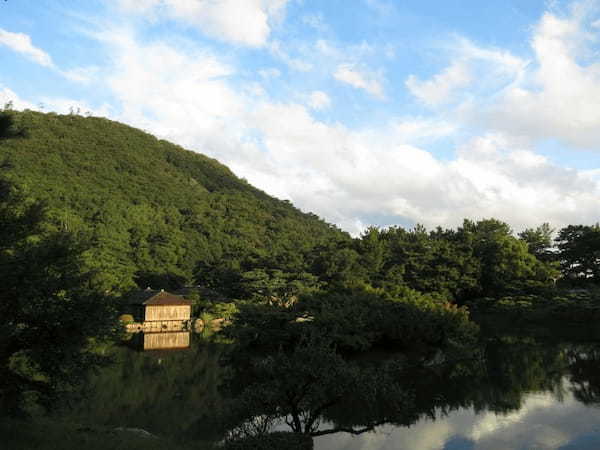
{"x":50,"y":315}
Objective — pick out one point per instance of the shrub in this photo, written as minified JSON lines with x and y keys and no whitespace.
{"x":206,"y":318}
{"x":126,"y":318}
{"x":224,"y":310}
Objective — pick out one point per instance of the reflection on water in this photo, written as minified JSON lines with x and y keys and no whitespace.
{"x":521,"y":394}
{"x":163,"y":341}
{"x":543,"y":421}
{"x":163,"y":392}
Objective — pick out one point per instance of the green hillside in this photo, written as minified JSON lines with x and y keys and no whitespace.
{"x":153,"y":212}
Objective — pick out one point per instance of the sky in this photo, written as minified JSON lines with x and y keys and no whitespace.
{"x":365,"y":112}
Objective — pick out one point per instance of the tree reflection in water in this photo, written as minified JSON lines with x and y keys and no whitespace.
{"x":584,"y":373}
{"x":166,"y":392}
{"x":315,"y":391}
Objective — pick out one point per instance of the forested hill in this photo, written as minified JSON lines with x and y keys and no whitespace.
{"x":153,"y":212}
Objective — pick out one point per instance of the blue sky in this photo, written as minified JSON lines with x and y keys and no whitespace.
{"x":363,"y":111}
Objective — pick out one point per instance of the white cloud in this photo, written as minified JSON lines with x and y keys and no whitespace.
{"x":298,"y":64}
{"x":348,"y":73}
{"x":502,"y":60}
{"x":319,"y":100}
{"x":21,"y":43}
{"x":173,"y":86}
{"x":72,"y":106}
{"x":140,"y":6}
{"x":244,"y":22}
{"x":554,"y":95}
{"x":343,"y":174}
{"x":83,"y":75}
{"x":493,"y":68}
{"x":417,"y":129}
{"x":561,"y":94}
{"x":7,"y":96}
{"x":437,"y":90}
{"x":54,"y":104}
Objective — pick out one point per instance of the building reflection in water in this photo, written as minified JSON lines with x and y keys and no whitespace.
{"x":170,"y":340}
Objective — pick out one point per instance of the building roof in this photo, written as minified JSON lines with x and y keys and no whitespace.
{"x":155,"y":297}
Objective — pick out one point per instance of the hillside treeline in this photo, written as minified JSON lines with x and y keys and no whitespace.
{"x":154,"y":214}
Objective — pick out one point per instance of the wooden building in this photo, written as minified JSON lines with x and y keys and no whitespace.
{"x":164,"y":308}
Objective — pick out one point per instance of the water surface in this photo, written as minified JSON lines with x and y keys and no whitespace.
{"x":545,"y":420}
{"x":519,"y":393}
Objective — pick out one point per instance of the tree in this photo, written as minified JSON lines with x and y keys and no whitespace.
{"x":276,"y":286}
{"x":539,"y":241}
{"x":439,"y":261}
{"x":49,"y":313}
{"x":505,"y":260}
{"x":338,"y":265}
{"x":373,"y":253}
{"x":8,"y":127}
{"x":579,"y":250}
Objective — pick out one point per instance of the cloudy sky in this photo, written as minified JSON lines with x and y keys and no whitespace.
{"x":362,"y":111}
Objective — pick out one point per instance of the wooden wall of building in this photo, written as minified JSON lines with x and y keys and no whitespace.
{"x":168,"y":312}
{"x":155,"y":341}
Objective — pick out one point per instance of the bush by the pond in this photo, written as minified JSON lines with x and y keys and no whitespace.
{"x":357,"y":320}
{"x":206,"y":318}
{"x":223,"y":310}
{"x":126,"y":318}
{"x":218,"y":311}
{"x":279,"y":440}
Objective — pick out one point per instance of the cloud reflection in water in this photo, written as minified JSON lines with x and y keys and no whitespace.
{"x":543,"y":422}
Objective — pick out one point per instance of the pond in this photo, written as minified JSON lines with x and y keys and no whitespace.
{"x":517,"y":392}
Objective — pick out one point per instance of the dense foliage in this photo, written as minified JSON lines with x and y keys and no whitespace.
{"x":355,"y":320}
{"x":476,"y":259}
{"x":579,"y":248}
{"x":49,"y":313}
{"x":156,"y":214}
